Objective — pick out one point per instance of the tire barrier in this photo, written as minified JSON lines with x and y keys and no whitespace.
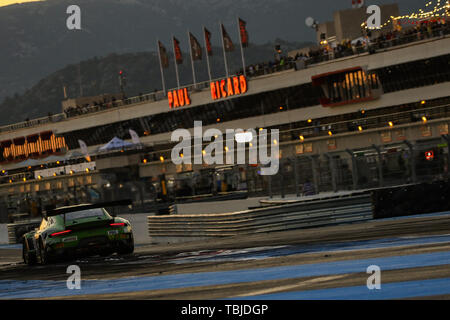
{"x":17,"y":230}
{"x":174,"y":228}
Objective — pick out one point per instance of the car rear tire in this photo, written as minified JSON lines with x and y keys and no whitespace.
{"x":128,"y":248}
{"x":28,"y":257}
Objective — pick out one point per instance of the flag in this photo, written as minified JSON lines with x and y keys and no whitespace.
{"x":243,"y":32}
{"x":196,"y":49}
{"x":177,"y":51}
{"x":134,"y":137}
{"x":228,"y":44}
{"x":163,"y":55}
{"x":208,"y":42}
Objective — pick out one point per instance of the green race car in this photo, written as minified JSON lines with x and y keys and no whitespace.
{"x":78,"y":231}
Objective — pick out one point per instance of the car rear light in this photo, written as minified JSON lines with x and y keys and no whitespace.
{"x":60,"y":233}
{"x":117,"y":224}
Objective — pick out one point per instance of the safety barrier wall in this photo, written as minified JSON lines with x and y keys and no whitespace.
{"x":3,"y":234}
{"x":180,"y":228}
{"x":16,"y":230}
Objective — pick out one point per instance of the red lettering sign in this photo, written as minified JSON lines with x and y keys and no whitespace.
{"x":228,"y":87}
{"x":178,"y":98}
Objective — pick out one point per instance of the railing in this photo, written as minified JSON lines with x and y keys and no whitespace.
{"x":33,"y":123}
{"x":376,"y":45}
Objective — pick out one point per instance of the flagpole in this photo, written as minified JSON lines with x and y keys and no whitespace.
{"x":242,"y":48}
{"x":224,"y":52}
{"x":192,"y":60}
{"x":161,"y":67}
{"x":207,"y":54}
{"x":176,"y":62}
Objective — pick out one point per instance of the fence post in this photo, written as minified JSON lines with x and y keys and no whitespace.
{"x":413,"y":160}
{"x":282,"y":181}
{"x":297,"y":187}
{"x":380,"y":165}
{"x":354,"y":169}
{"x":270,"y":186}
{"x":332,"y":165}
{"x":314,"y":171}
{"x":446,"y":137}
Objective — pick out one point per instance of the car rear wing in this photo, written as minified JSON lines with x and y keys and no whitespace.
{"x":81,"y":207}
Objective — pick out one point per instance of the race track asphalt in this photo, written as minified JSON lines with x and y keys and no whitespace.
{"x":413,"y":254}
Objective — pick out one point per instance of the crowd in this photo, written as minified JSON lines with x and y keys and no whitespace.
{"x":89,"y":108}
{"x":369,"y":43}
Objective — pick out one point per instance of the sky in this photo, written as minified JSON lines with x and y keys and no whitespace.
{"x":8,"y":2}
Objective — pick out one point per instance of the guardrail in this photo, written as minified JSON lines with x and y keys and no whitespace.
{"x":176,"y":228}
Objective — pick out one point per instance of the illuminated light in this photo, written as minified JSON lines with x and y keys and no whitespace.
{"x":243,"y":137}
{"x":218,"y":120}
{"x":39,"y":178}
{"x":203,"y":152}
{"x":87,"y":170}
{"x":429,"y":155}
{"x":302,"y":138}
{"x":251,"y":144}
{"x":360,"y":128}
{"x":424,"y":119}
{"x":391,"y":124}
{"x":309,"y":120}
{"x":121,"y":224}
{"x":60,"y":233}
{"x":29,"y":167}
{"x":24,"y":179}
{"x":161,"y":159}
{"x":54,"y":174}
{"x":228,"y":87}
{"x":363,"y":111}
{"x":281,"y":108}
{"x":227,"y":149}
{"x":71,"y":171}
{"x":216,"y":136}
{"x":261,"y":129}
{"x":330,"y":133}
{"x":275,"y":142}
{"x":423,"y":102}
{"x":178,"y":98}
{"x":181,"y":155}
{"x":10,"y":181}
{"x":57,"y":162}
{"x":144,"y":161}
{"x":3,"y":171}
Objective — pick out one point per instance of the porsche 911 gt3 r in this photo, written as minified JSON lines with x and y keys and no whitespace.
{"x":76,"y":231}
